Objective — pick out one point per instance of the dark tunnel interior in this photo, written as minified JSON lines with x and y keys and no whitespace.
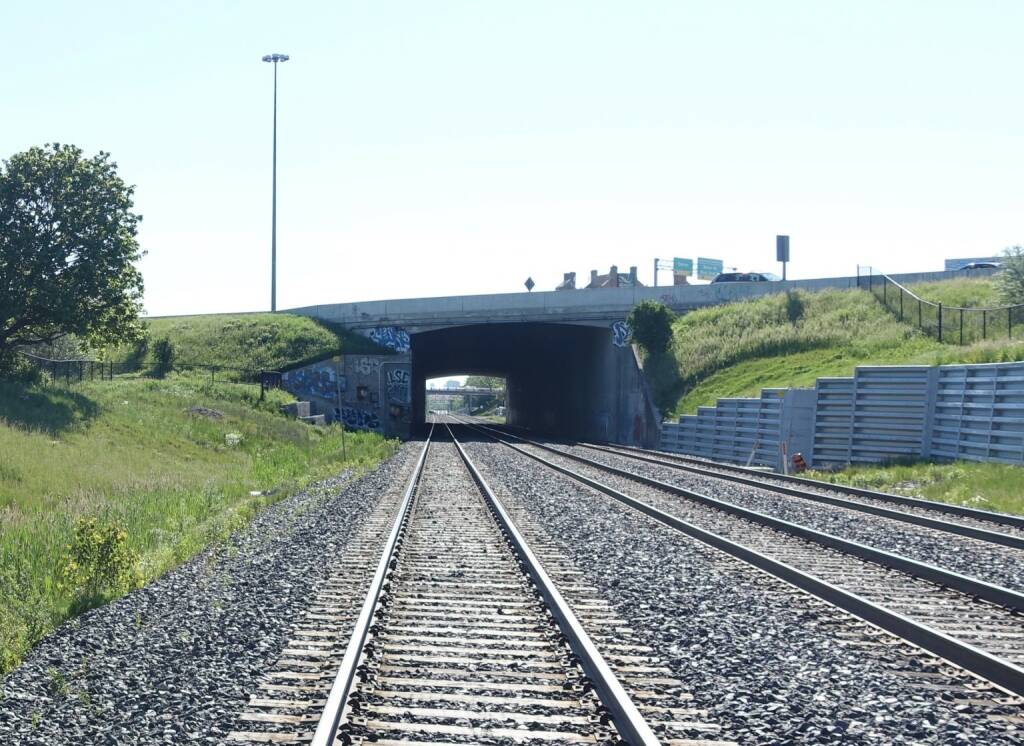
{"x":559,"y":376}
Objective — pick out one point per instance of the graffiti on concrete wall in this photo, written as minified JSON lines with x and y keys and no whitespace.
{"x":393,"y":337}
{"x":315,"y":380}
{"x":366,"y":366}
{"x":398,"y":382}
{"x":621,"y":333}
{"x":359,"y":419}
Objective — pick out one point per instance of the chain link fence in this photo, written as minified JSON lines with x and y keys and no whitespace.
{"x":949,"y":324}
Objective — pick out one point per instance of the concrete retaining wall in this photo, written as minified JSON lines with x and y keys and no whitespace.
{"x":363,"y":392}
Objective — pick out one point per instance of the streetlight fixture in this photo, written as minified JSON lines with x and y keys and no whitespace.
{"x":275,"y":58}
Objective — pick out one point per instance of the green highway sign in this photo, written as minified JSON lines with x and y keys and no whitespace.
{"x":682,"y":266}
{"x":709,"y":269}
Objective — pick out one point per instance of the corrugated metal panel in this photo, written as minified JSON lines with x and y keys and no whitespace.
{"x":973,"y":412}
{"x":890,"y":413}
{"x":979,"y":413}
{"x":833,"y":421}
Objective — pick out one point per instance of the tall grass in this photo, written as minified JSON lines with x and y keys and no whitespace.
{"x":791,"y":339}
{"x":976,"y":485}
{"x":966,"y":292}
{"x":129,"y":452}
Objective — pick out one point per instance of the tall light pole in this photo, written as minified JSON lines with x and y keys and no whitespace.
{"x":275,"y":58}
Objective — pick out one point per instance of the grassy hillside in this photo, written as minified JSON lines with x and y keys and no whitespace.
{"x":962,"y":293}
{"x":791,"y":339}
{"x":252,"y":341}
{"x":175,"y":464}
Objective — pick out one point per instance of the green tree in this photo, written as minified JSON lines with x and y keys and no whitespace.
{"x":67,"y":250}
{"x":652,"y":326}
{"x":485,"y":382}
{"x":1011,"y":276}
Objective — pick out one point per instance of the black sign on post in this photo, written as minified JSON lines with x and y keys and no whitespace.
{"x":782,"y":252}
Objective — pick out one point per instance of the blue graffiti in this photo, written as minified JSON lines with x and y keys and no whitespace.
{"x":621,"y":332}
{"x":398,"y":384}
{"x":316,"y":380}
{"x":359,"y":419}
{"x":393,"y":337}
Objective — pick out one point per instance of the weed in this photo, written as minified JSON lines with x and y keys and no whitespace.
{"x":58,"y":683}
{"x":99,"y":561}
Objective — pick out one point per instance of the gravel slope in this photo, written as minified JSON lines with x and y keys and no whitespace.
{"x":769,"y":663}
{"x":175,"y":661}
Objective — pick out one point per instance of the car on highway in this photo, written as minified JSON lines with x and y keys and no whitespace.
{"x":981,"y":265}
{"x":745,"y":277}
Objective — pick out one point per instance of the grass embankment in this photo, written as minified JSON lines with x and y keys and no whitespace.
{"x":130,"y":453}
{"x":778,"y":341}
{"x":249,"y":341}
{"x":987,"y":486}
{"x":791,"y":339}
{"x":980,"y":292}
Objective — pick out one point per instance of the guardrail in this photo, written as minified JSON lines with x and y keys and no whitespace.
{"x":950,"y":324}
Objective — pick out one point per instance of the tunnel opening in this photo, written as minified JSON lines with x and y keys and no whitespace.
{"x":563,"y":380}
{"x":475,"y":397}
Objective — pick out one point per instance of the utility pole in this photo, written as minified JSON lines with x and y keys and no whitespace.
{"x":275,"y":58}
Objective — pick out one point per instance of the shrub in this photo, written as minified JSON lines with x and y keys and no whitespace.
{"x":794,"y":306}
{"x":1011,"y":277}
{"x":652,"y":326}
{"x":163,"y":357}
{"x":99,"y":561}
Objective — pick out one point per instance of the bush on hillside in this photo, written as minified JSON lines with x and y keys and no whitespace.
{"x":1011,"y":278}
{"x":163,"y":357}
{"x":652,"y":326}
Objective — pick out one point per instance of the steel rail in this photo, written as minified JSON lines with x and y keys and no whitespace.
{"x":337,"y":700}
{"x":973,"y":532}
{"x":628,"y":721}
{"x":996,"y":594}
{"x":990,"y":516}
{"x":998,"y":671}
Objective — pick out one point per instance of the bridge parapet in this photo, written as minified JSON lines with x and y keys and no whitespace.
{"x":592,"y":307}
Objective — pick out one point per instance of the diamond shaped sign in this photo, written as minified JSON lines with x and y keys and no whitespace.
{"x":529,"y":283}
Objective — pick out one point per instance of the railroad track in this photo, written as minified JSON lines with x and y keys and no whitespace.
{"x":984,"y":525}
{"x":973,"y":624}
{"x":463,"y":637}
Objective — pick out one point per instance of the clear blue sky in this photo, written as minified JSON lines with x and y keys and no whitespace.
{"x":428,"y":148}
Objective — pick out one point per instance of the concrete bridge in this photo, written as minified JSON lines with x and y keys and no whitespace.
{"x":564,"y":354}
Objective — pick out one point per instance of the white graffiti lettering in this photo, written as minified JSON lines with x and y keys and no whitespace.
{"x":393,"y":337}
{"x":621,"y":332}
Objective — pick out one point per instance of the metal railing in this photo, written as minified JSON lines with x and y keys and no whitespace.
{"x":949,"y":324}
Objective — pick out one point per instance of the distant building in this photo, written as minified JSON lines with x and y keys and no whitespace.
{"x":452,"y":385}
{"x":614,"y":279}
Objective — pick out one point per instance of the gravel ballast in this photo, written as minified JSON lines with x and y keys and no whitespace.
{"x":993,"y":563}
{"x":176,"y":661}
{"x":772,"y":665}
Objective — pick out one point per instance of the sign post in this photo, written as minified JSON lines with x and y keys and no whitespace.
{"x":660,"y":264}
{"x":782,"y":252}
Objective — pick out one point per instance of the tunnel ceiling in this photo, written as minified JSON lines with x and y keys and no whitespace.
{"x":499,"y":349}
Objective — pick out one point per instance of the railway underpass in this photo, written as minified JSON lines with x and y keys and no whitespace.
{"x":562,"y":379}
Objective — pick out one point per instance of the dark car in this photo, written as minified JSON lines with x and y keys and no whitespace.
{"x":981,"y":265}
{"x":743,"y":277}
